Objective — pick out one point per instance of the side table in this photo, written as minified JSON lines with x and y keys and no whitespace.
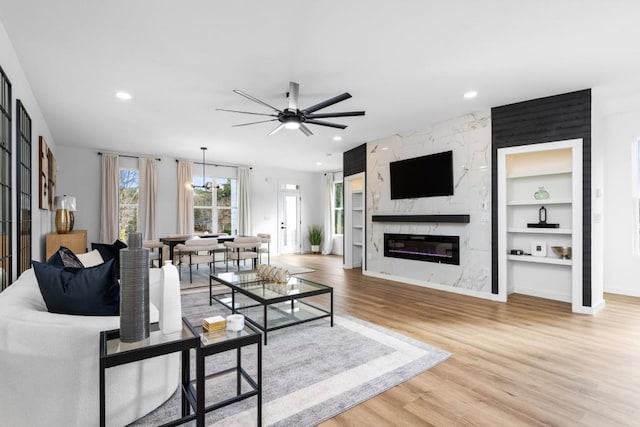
{"x":113,"y":352}
{"x":218,"y":342}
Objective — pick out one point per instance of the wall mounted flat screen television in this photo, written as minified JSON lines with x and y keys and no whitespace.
{"x":426,"y":176}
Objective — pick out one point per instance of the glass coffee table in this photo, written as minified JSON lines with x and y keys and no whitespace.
{"x":270,"y":306}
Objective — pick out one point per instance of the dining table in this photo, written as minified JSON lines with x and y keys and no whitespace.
{"x":172,"y":241}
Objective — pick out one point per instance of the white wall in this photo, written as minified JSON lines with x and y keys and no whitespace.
{"x":265,"y":188}
{"x":79,"y":175}
{"x":470,"y":139}
{"x":616,"y":125}
{"x":41,"y":219}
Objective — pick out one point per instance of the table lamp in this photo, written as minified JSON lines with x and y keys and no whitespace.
{"x":65,"y":213}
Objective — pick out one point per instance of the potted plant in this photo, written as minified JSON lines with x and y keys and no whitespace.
{"x":315,"y":238}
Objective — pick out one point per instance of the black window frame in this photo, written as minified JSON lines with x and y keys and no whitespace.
{"x":24,"y":180}
{"x":6,"y":183}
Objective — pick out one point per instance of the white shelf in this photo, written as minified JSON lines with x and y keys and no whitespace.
{"x":528,"y":230}
{"x":357,"y":209}
{"x":539,"y":260}
{"x":539,"y":202}
{"x":552,"y":170}
{"x":533,"y":175}
{"x":357,"y":244}
{"x":359,"y":227}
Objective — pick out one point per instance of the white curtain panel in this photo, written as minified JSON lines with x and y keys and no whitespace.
{"x":244,"y":203}
{"x":109,"y":190}
{"x":147,"y":198}
{"x":185,"y":197}
{"x":327,"y":243}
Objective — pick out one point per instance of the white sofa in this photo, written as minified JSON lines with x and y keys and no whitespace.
{"x":49,"y":363}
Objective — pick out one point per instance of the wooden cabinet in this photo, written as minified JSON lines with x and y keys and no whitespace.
{"x":76,"y":241}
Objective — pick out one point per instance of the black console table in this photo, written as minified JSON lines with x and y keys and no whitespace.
{"x":113,"y":352}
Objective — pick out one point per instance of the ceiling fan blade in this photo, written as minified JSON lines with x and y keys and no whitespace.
{"x":327,"y":115}
{"x":253,"y":123}
{"x":305,"y":130}
{"x":256,"y":100}
{"x":276,"y":129}
{"x":246,"y":112}
{"x":328,"y":102}
{"x":294,"y":89}
{"x":321,"y":123}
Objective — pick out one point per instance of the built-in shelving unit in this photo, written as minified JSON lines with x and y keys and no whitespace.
{"x":534,"y":179}
{"x":354,"y":220}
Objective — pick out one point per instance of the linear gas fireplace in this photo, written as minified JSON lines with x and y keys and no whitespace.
{"x":423,"y":247}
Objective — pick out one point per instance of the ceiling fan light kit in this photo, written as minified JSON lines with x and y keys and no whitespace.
{"x":293,"y":118}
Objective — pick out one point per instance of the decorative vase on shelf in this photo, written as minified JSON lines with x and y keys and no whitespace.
{"x":541,"y":194}
{"x":134,"y":290}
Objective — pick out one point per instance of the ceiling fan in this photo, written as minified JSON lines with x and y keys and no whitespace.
{"x":294,"y":118}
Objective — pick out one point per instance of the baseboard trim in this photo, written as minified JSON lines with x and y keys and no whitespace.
{"x":590,"y":310}
{"x":623,"y":291}
{"x":546,"y":295}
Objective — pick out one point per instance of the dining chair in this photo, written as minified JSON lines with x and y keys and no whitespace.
{"x":243,"y":248}
{"x":265,"y":239}
{"x":197,"y":251}
{"x":153,"y":254}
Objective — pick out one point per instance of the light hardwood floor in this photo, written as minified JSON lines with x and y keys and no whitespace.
{"x":529,"y":361}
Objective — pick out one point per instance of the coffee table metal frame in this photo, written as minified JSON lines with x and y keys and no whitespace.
{"x":270,"y":297}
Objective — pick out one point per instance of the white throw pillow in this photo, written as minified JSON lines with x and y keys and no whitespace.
{"x":90,"y":259}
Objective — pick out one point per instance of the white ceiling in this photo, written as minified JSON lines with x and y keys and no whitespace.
{"x":406,"y":62}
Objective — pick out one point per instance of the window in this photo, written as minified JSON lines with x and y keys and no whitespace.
{"x":217,"y":214}
{"x":6,"y":273}
{"x":226,"y":205}
{"x":23,"y":212}
{"x":128,"y":202}
{"x":338,"y":208}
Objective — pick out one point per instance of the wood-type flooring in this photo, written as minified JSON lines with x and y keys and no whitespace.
{"x":527,"y":362}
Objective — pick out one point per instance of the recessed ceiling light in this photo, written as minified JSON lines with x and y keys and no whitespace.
{"x":318,"y":163}
{"x":385,"y":148}
{"x":337,"y":138}
{"x":470,"y":94}
{"x":123,"y":95}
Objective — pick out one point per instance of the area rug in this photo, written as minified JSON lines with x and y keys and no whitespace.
{"x":293,"y":269}
{"x":311,"y":372}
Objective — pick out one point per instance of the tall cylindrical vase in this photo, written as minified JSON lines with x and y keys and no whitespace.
{"x":134,"y":290}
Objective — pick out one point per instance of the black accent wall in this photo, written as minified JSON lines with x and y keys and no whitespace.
{"x":554,"y":118}
{"x":355,"y":160}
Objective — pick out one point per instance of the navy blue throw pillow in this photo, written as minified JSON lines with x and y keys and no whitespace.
{"x":92,"y":291}
{"x":64,"y":257}
{"x":110,"y":251}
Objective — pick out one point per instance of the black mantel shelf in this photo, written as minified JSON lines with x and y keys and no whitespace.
{"x":458,"y":219}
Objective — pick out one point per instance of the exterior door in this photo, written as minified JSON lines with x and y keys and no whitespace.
{"x":289,"y":217}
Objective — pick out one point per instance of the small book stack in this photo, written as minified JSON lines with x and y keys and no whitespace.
{"x":214,"y":323}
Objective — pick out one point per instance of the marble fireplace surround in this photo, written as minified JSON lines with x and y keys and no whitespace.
{"x":469,"y":137}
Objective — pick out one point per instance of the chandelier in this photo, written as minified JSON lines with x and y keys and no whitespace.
{"x":205,"y":185}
